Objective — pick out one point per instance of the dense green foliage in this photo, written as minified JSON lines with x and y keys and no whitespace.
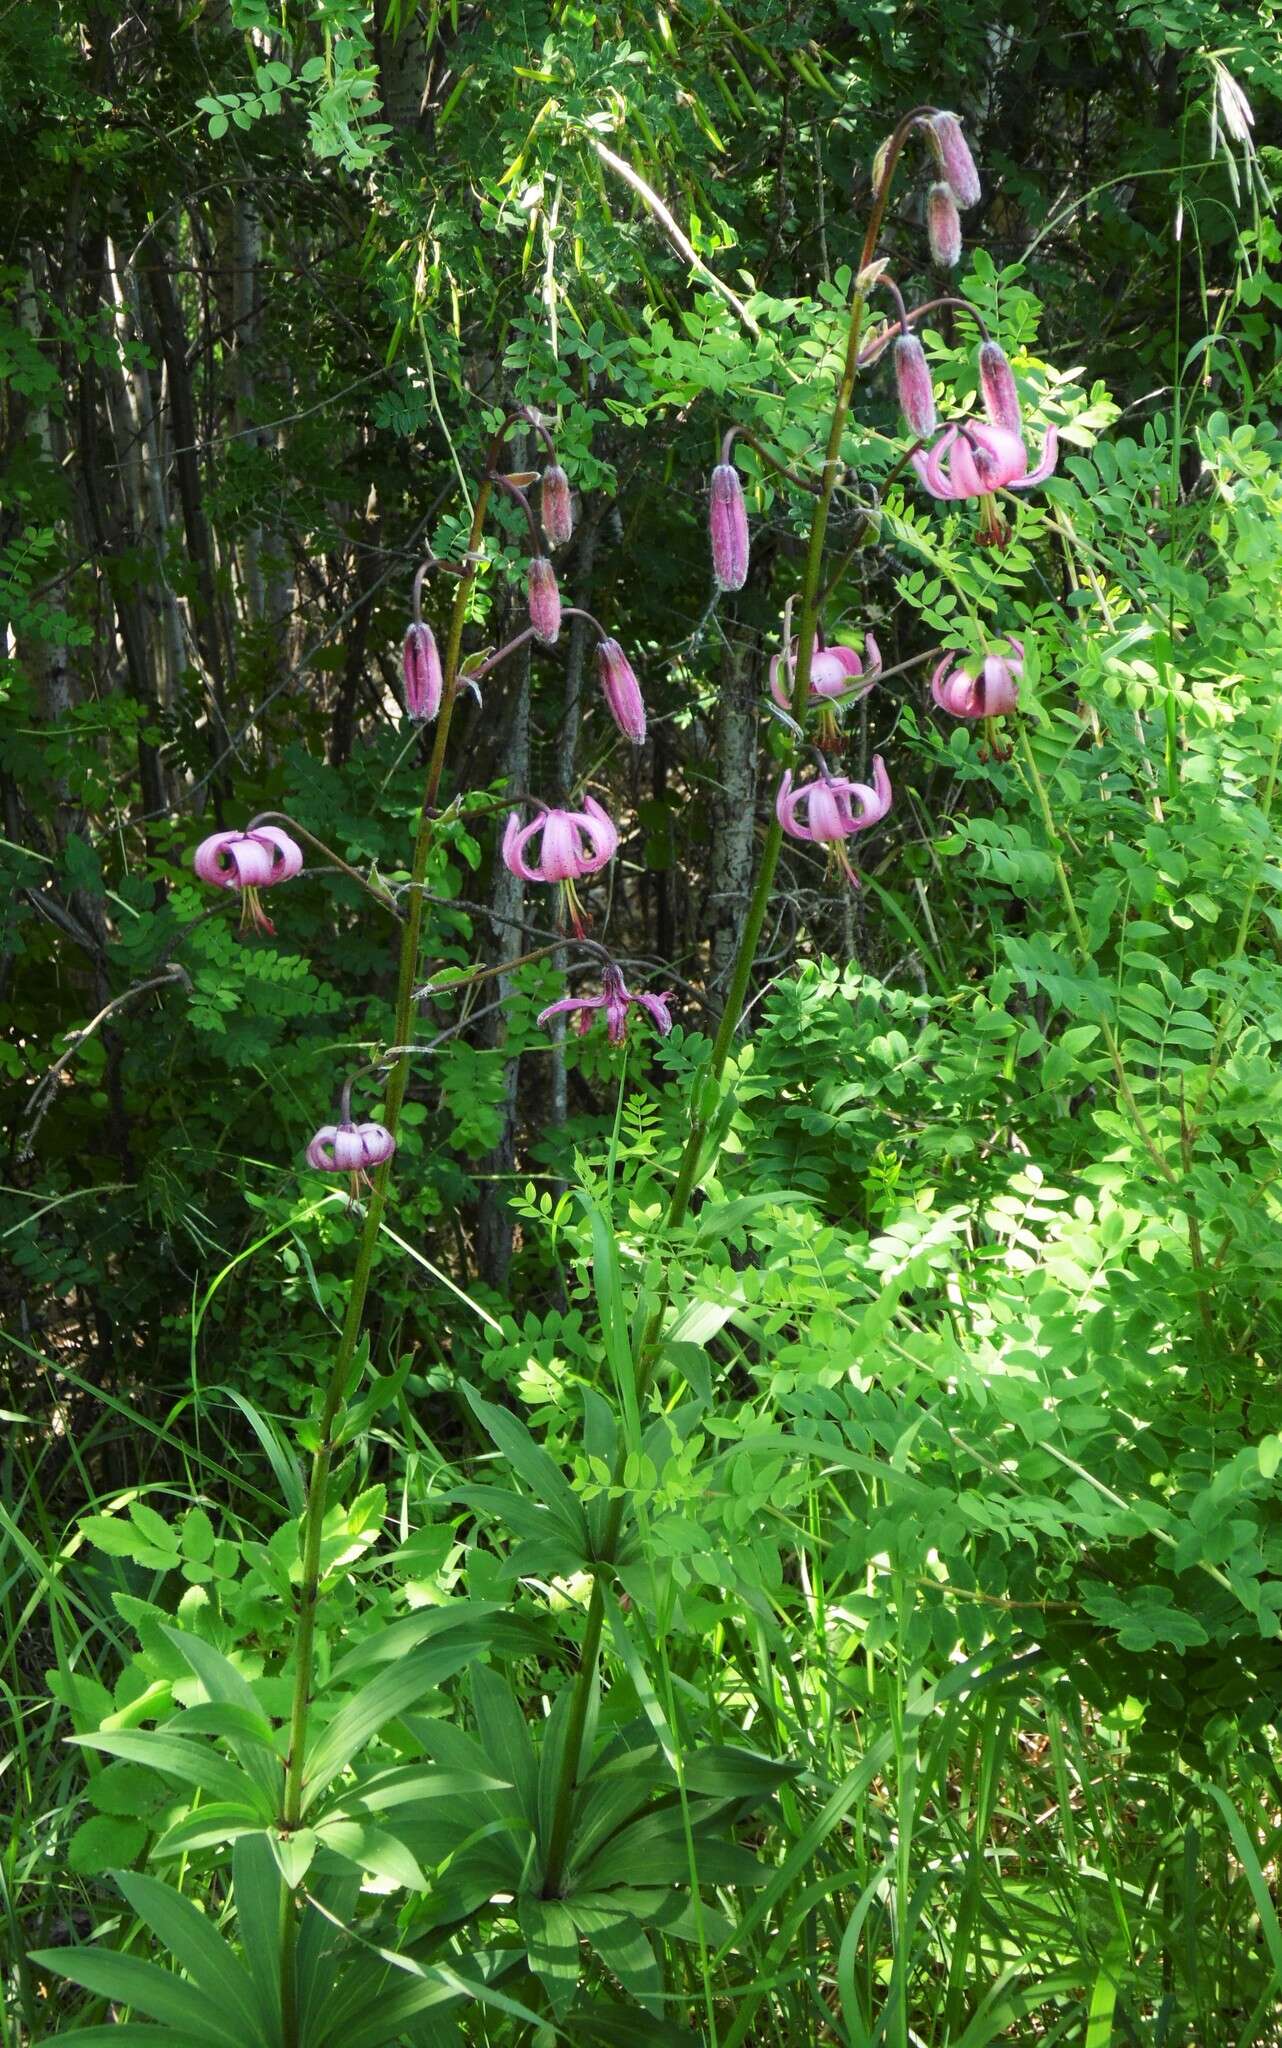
{"x":794,"y":1538}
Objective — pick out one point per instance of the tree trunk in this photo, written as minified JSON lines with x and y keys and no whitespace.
{"x":733,"y":807}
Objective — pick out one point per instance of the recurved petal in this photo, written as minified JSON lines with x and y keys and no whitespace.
{"x":787,"y":802}
{"x":320,"y":1152}
{"x":1050,"y":453}
{"x":656,"y":1009}
{"x":515,"y":839}
{"x":213,"y":860}
{"x":601,"y":830}
{"x":288,"y":857}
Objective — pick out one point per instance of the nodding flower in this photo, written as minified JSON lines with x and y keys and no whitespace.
{"x":351,"y":1149}
{"x":555,"y":507}
{"x":979,"y":686}
{"x":943,"y":226}
{"x":572,"y":844}
{"x":421,"y":668}
{"x":728,"y":528}
{"x":544,"y":599}
{"x":621,"y":690}
{"x":998,"y":389}
{"x":912,"y":382}
{"x":976,"y":461}
{"x":824,"y":811}
{"x":249,"y":861}
{"x":616,"y":999}
{"x":952,"y":153}
{"x":838,"y":676}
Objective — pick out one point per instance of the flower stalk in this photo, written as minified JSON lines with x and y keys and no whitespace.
{"x":709,"y":1083}
{"x":340,"y":1371}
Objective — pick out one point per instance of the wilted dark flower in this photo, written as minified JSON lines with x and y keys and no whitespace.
{"x":616,"y":1000}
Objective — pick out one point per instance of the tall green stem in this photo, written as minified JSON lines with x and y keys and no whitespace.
{"x":687,"y":1172}
{"x":340,"y":1371}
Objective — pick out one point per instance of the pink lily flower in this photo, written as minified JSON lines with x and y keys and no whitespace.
{"x":824,"y":812}
{"x":979,"y":687}
{"x":615,"y":999}
{"x":351,"y":1149}
{"x":249,"y":861}
{"x":971,"y":460}
{"x":836,"y":671}
{"x":621,"y":690}
{"x":572,"y":844}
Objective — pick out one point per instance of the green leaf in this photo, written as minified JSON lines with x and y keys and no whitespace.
{"x":624,"y":1949}
{"x":196,"y":1945}
{"x":212,"y":1822}
{"x":552,"y":1946}
{"x":250,"y":1735}
{"x":382,"y":1700}
{"x":294,"y":1853}
{"x":192,"y":1763}
{"x":102,"y":1840}
{"x":544,"y":1478}
{"x":373,"y":1849}
{"x":127,"y":1980}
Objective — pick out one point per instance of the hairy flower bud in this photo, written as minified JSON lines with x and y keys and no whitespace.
{"x":728,"y":528}
{"x":555,"y":506}
{"x":943,"y":226}
{"x":997,"y":384}
{"x":621,"y":690}
{"x":912,"y":382}
{"x":955,"y":159}
{"x":421,"y":668}
{"x":544,"y":599}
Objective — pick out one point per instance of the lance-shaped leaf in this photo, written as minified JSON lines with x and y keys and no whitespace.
{"x":382,"y":1700}
{"x":195,"y":1764}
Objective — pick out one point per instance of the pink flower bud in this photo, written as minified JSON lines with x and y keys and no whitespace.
{"x":555,"y":506}
{"x":421,"y":667}
{"x":997,"y":383}
{"x":943,"y":226}
{"x":728,"y":528}
{"x":621,"y":690}
{"x":544,"y":599}
{"x":912,"y":381}
{"x":955,"y":159}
